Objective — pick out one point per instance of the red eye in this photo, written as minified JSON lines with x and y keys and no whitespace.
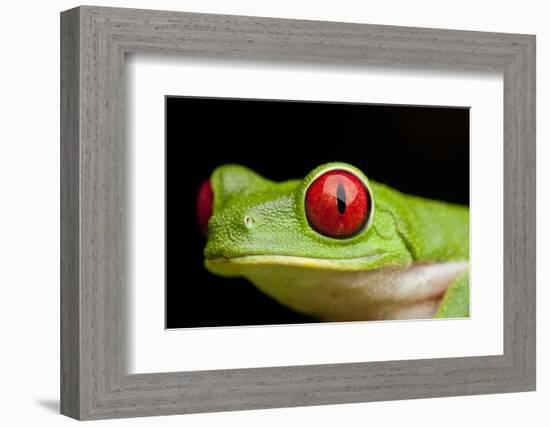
{"x":338,"y":204}
{"x":203,"y":206}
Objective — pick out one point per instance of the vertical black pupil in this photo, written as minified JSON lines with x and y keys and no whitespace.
{"x":341,"y":198}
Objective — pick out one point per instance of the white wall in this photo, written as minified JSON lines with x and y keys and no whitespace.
{"x":29,"y":225}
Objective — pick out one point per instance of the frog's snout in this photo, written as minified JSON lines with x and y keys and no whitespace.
{"x":232,"y":223}
{"x":230,"y":230}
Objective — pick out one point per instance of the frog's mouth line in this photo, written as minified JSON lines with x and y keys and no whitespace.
{"x":349,"y":264}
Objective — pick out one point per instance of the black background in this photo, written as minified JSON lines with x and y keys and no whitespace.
{"x":418,"y":150}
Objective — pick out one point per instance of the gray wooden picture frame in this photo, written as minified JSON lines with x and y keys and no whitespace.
{"x":94,"y":382}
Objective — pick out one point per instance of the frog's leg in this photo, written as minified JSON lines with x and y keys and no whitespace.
{"x":456,"y":302}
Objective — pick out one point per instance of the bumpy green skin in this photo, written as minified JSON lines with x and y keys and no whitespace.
{"x":255,"y":216}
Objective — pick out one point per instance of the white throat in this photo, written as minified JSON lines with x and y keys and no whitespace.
{"x":413,"y":292}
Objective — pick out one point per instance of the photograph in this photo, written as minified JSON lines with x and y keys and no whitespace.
{"x":292,"y":212}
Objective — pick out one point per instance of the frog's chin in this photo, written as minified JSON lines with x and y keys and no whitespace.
{"x":235,"y":266}
{"x":356,"y":289}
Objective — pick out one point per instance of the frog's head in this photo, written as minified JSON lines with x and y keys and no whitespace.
{"x":332,"y":219}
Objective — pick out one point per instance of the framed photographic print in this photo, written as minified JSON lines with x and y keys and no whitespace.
{"x":262,"y":213}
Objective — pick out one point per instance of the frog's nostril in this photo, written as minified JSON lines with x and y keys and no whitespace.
{"x":248,"y":221}
{"x":203,"y":205}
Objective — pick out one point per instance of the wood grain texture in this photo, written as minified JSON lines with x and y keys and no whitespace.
{"x":94,"y":382}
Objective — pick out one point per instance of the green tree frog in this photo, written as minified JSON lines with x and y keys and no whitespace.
{"x":336,"y":245}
